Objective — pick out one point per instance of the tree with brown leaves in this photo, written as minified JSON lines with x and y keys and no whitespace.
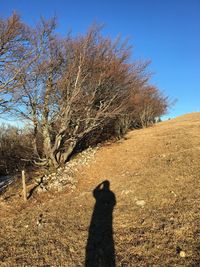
{"x":68,"y":88}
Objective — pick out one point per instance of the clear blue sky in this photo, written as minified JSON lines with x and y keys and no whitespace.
{"x":165,"y":31}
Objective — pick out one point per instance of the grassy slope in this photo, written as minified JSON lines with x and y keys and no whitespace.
{"x":154,"y":174}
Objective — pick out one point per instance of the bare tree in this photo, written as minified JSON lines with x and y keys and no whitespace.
{"x":72,"y":87}
{"x":13,"y":51}
{"x":69,"y":88}
{"x":148,"y":104}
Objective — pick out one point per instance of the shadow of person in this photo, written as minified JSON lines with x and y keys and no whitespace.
{"x":100,"y":251}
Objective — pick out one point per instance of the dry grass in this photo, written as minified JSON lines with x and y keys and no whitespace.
{"x":154,"y":174}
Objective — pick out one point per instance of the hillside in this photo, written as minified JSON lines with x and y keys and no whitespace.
{"x":154,"y":180}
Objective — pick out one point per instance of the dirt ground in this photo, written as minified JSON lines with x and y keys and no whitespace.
{"x":146,"y":212}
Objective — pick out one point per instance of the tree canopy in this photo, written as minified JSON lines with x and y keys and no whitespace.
{"x":70,"y":88}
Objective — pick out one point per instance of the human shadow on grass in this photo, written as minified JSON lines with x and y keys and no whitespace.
{"x":100,"y":251}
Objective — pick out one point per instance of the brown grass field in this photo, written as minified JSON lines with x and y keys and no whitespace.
{"x":154,"y":176}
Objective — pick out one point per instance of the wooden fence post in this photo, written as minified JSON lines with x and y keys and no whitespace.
{"x":24,"y":185}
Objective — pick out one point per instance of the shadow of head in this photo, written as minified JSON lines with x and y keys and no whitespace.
{"x":105,"y":185}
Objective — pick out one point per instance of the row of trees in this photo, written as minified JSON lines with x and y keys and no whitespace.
{"x":72,"y":89}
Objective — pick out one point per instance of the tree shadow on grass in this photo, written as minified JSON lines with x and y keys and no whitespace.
{"x":100,"y":251}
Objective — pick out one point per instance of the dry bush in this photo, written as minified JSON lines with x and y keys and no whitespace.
{"x":16,"y":149}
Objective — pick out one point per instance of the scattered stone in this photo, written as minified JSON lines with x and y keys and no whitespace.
{"x":65,"y":177}
{"x":182,"y":254}
{"x":126,"y":192}
{"x":39,"y":220}
{"x":142,"y":221}
{"x":71,"y":250}
{"x":140,"y":203}
{"x":173,"y":193}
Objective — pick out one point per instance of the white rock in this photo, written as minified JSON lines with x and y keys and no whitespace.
{"x":182,"y":254}
{"x":140,"y":203}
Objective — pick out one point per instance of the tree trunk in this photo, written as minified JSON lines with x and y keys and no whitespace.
{"x":62,"y":154}
{"x":34,"y":142}
{"x":48,"y":151}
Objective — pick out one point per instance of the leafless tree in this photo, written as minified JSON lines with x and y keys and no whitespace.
{"x":14,"y":49}
{"x":69,"y":88}
{"x":72,"y":87}
{"x":148,"y":104}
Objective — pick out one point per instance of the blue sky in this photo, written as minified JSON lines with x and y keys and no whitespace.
{"x":165,"y":31}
